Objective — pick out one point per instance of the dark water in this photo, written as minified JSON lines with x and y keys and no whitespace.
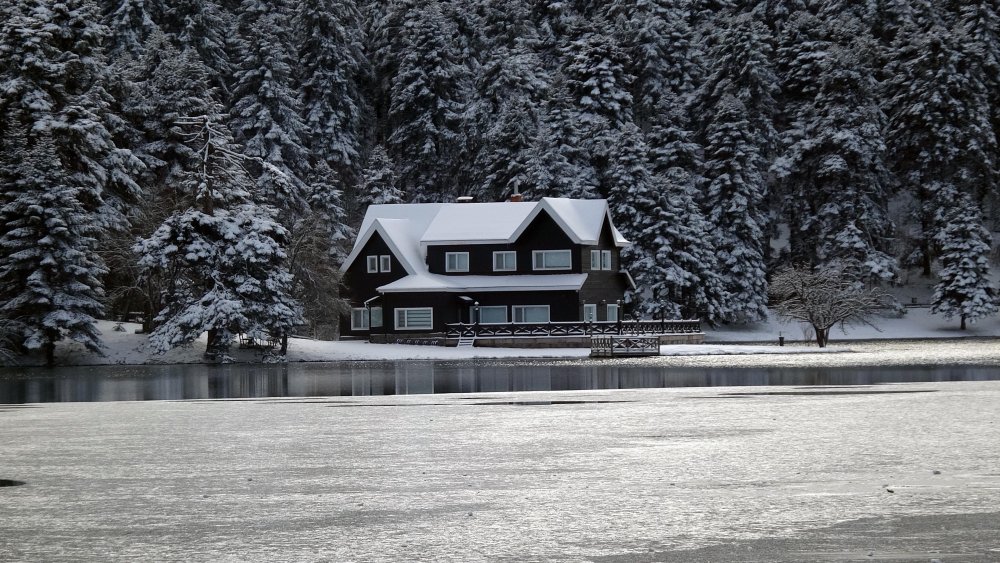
{"x":177,"y":382}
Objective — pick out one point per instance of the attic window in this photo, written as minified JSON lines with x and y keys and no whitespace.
{"x":384,"y":262}
{"x":372,"y":264}
{"x":456,"y":261}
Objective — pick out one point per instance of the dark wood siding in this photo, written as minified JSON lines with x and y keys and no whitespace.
{"x":360,"y":284}
{"x":450,"y":308}
{"x":542,"y":234}
{"x":602,"y":286}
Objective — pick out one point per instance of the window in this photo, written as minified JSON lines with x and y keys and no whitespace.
{"x":612,"y":312}
{"x":376,"y":317}
{"x":372,"y":264}
{"x":493,"y":315}
{"x":531,"y":313}
{"x":456,"y":261}
{"x":359,"y":318}
{"x":589,"y":312}
{"x":505,"y":261}
{"x":384,"y":262}
{"x":552,"y":259}
{"x":415,"y":318}
{"x":600,"y":259}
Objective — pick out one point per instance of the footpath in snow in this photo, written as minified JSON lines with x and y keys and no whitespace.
{"x":126,"y":347}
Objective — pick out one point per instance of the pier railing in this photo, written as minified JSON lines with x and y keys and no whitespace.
{"x":573,"y":328}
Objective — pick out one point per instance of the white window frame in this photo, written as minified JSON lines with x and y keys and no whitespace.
{"x":375,"y":317}
{"x":483,"y":307}
{"x":372,"y":264}
{"x":536,"y":254}
{"x":365,"y":321}
{"x":515,"y":308}
{"x":600,"y":259}
{"x":384,"y":263}
{"x":505,"y":254}
{"x":613,"y":316}
{"x":405,"y":311}
{"x":590,"y":308}
{"x":457,"y":255}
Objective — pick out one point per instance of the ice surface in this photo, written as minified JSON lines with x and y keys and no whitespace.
{"x":572,"y":476}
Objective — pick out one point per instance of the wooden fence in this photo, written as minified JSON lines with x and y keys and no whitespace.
{"x":573,"y":328}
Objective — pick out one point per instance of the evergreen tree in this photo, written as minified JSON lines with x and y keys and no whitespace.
{"x":427,"y":108}
{"x":378,"y":181}
{"x":331,"y":68}
{"x":266,"y":115}
{"x":210,"y":31}
{"x":48,"y":267}
{"x":222,"y":256}
{"x":131,"y":23}
{"x":939,"y":133}
{"x":834,"y":175}
{"x":964,"y":288}
{"x":734,"y":198}
{"x":594,"y":67}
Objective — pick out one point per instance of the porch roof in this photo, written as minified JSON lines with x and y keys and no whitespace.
{"x":453,"y":284}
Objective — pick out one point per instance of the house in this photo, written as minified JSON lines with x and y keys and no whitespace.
{"x":417,"y":267}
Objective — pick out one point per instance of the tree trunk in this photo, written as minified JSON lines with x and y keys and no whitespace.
{"x":213,"y":338}
{"x":49,"y":349}
{"x":963,"y":323}
{"x":822,"y":335}
{"x":284,"y":343}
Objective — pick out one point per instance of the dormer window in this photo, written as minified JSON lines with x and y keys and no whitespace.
{"x":505,"y":261}
{"x":456,"y":261}
{"x":551,"y":260}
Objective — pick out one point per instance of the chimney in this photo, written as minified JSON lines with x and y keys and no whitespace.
{"x":515,"y":197}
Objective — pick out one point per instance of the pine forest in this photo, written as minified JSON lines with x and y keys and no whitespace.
{"x":207,"y":162}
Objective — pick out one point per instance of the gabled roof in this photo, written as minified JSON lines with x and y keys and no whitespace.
{"x":408,"y":229}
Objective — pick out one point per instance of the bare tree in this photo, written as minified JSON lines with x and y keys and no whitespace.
{"x":824,"y":298}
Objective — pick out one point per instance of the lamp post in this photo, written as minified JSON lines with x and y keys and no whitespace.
{"x":475,"y":319}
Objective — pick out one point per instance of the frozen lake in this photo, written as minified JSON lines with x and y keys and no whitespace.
{"x":864,"y":363}
{"x":904,"y":472}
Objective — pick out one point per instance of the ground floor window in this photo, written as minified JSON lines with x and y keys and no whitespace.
{"x":359,"y":318}
{"x":612,"y":312}
{"x":414,"y":318}
{"x":589,"y":312}
{"x":376,"y":317}
{"x":493,"y":315}
{"x":531,"y":313}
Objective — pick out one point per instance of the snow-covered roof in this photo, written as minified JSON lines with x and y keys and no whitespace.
{"x":453,"y":284}
{"x":408,"y":228}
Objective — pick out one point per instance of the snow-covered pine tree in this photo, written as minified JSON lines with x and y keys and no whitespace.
{"x":562,"y":165}
{"x":741,"y":60}
{"x":266,"y":113}
{"x":734,"y":201}
{"x":594,"y":67}
{"x":661,"y":51}
{"x":131,"y":23}
{"x":331,"y":68}
{"x":48,"y":268}
{"x":681,"y":276}
{"x":980,"y":22}
{"x":939,"y":132}
{"x":53,"y":72}
{"x":210,"y":30}
{"x":378,"y":182}
{"x":511,"y":88}
{"x":833,"y":171}
{"x":223,"y":255}
{"x":428,"y":100}
{"x":964,"y":288}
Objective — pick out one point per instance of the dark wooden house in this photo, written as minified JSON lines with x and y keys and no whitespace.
{"x":417,"y":267}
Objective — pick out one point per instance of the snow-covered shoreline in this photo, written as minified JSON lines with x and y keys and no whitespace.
{"x":128,"y":348}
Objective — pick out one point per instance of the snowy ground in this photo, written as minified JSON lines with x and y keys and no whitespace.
{"x":129,"y":348}
{"x":903,"y":472}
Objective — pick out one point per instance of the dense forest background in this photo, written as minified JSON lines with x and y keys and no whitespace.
{"x":206,"y":161}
